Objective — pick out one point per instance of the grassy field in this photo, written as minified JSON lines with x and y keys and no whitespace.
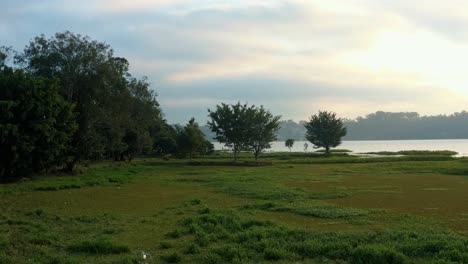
{"x":302,"y":209}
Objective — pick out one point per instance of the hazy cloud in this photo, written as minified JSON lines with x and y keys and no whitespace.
{"x":293,"y":56}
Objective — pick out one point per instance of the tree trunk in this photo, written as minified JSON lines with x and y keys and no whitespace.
{"x":327,"y":150}
{"x":235,"y":154}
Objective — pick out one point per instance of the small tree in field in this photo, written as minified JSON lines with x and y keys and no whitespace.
{"x":306,"y":146}
{"x":325,"y":130}
{"x":261,"y":130}
{"x":243,"y":127}
{"x":289,"y":143}
{"x":229,"y":123}
{"x":190,"y":139}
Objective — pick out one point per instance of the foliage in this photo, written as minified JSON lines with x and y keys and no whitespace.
{"x":114,"y":110}
{"x":190,"y":139}
{"x":325,"y":130}
{"x":36,"y":124}
{"x":289,"y":143}
{"x":164,"y":138}
{"x":229,"y":122}
{"x":261,"y":130}
{"x":243,"y":127}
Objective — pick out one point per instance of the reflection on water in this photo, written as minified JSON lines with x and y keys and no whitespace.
{"x":458,"y":145}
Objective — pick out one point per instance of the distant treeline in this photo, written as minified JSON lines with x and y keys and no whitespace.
{"x":387,"y":126}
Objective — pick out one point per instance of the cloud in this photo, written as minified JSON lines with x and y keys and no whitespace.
{"x":293,"y":56}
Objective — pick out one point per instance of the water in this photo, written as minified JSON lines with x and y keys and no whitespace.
{"x":458,"y":145}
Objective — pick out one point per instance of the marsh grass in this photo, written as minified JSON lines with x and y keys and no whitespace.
{"x":304,"y":208}
{"x":228,"y":236}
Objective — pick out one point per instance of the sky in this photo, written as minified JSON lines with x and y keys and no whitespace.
{"x":294,"y":57}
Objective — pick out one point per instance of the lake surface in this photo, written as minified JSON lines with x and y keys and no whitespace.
{"x":458,"y":145}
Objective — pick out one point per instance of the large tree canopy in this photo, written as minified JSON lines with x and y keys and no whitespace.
{"x":115,"y":112}
{"x":325,"y":130}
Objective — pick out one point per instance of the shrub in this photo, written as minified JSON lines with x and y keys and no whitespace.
{"x":376,"y":254}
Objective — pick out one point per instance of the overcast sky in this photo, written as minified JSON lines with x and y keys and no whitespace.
{"x":295,"y":57}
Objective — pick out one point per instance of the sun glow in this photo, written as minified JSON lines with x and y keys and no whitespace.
{"x":439,"y":61}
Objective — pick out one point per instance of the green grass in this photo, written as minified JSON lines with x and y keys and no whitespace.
{"x":99,"y":247}
{"x":304,"y":207}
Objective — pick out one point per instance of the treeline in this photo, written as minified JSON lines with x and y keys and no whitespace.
{"x":408,"y":125}
{"x":68,"y":98}
{"x":389,"y":126}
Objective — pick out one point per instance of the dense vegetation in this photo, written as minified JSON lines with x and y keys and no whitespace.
{"x":305,"y":208}
{"x":37,"y":124}
{"x":67,"y":99}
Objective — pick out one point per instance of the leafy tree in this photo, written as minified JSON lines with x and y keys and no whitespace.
{"x":191,"y":139}
{"x":87,"y":71}
{"x":325,"y":130}
{"x":289,"y":143}
{"x":36,"y":124}
{"x":306,"y":146}
{"x":243,"y":127}
{"x":261,"y":129}
{"x":115,"y":112}
{"x":164,"y":138}
{"x":229,"y":123}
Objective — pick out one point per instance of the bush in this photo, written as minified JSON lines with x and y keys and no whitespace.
{"x":376,"y":254}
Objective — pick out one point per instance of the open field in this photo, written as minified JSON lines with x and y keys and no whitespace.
{"x":302,"y":209}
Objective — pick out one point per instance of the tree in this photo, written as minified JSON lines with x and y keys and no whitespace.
{"x":88,"y":72}
{"x":261,"y":130}
{"x":243,"y":127}
{"x":306,"y":146}
{"x":36,"y":124}
{"x":191,"y":139}
{"x":289,"y":143}
{"x":115,"y":112}
{"x":229,"y":123}
{"x":325,"y":130}
{"x":164,"y":138}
